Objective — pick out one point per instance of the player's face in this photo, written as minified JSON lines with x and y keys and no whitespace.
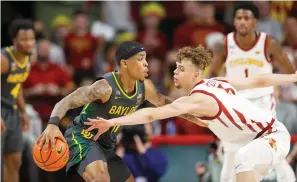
{"x":137,"y":66}
{"x":244,"y":22}
{"x":184,"y":74}
{"x":25,"y":41}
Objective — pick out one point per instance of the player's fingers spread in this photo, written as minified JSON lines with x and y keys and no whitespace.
{"x":101,"y":119}
{"x":88,"y":123}
{"x":64,"y":139}
{"x":92,"y":120}
{"x":46,"y":144}
{"x":53,"y":141}
{"x":91,"y":128}
{"x":97,"y":136}
{"x":40,"y":142}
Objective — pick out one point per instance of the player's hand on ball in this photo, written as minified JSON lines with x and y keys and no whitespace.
{"x":49,"y":135}
{"x":101,"y":124}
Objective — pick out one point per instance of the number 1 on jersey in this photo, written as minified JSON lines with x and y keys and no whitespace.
{"x":246,"y":72}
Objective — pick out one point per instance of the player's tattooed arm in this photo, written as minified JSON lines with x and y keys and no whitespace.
{"x":219,"y":55}
{"x":4,"y":64}
{"x":83,"y":95}
{"x":158,"y":99}
{"x":279,"y":56}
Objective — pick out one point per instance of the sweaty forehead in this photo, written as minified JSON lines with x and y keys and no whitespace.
{"x":244,"y":12}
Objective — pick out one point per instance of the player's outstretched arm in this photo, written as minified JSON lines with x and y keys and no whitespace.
{"x":263,"y":80}
{"x":83,"y":95}
{"x":158,"y":99}
{"x":199,"y":104}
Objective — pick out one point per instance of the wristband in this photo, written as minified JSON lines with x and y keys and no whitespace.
{"x":54,"y":120}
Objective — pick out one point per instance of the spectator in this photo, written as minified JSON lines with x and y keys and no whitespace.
{"x":80,"y":47}
{"x":266,"y":23}
{"x":280,"y":10}
{"x":56,"y":53}
{"x":145,"y":162}
{"x":156,"y":73}
{"x":47,"y":83}
{"x":202,"y":173}
{"x":200,"y":22}
{"x":61,"y":27}
{"x":118,"y":15}
{"x":154,"y":41}
{"x":215,"y":161}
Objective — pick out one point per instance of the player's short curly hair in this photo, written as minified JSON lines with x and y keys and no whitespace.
{"x":199,"y":56}
{"x":20,"y":24}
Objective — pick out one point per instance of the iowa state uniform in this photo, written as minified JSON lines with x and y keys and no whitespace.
{"x":83,"y":149}
{"x":11,"y":83}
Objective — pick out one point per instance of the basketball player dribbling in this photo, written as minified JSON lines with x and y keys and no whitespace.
{"x":264,"y":142}
{"x":245,"y":53}
{"x":113,"y":95}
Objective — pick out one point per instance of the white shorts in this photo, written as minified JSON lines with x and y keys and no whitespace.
{"x":263,"y":154}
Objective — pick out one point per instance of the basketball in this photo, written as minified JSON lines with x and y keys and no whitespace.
{"x":51,"y":160}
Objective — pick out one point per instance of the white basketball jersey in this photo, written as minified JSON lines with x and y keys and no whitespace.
{"x":238,"y":121}
{"x":241,"y":63}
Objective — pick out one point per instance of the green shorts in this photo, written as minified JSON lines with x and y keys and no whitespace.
{"x":84,"y":150}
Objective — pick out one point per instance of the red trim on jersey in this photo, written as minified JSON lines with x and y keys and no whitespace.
{"x":267,"y":128}
{"x":226,"y":48}
{"x":200,"y":82}
{"x":222,"y":122}
{"x":258,"y":124}
{"x":222,"y":108}
{"x":215,"y":98}
{"x":248,"y":49}
{"x":243,"y":120}
{"x":265,"y":50}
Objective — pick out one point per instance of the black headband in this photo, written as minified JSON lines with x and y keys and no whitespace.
{"x":125,"y":54}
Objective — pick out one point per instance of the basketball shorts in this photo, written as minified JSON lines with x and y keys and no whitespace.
{"x":84,"y":150}
{"x":263,"y":154}
{"x":12,"y":139}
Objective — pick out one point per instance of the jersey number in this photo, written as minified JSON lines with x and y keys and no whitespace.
{"x":15,"y":91}
{"x":246,"y":72}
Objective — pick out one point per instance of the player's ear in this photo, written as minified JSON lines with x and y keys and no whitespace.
{"x":124,"y":63}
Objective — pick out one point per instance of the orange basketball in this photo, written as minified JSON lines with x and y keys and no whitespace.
{"x":51,"y":160}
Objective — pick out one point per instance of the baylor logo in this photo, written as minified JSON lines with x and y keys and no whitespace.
{"x":86,"y":134}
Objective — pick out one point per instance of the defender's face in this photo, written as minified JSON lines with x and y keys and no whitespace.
{"x":184,"y":74}
{"x":244,"y":22}
{"x":137,"y":66}
{"x":25,"y":41}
